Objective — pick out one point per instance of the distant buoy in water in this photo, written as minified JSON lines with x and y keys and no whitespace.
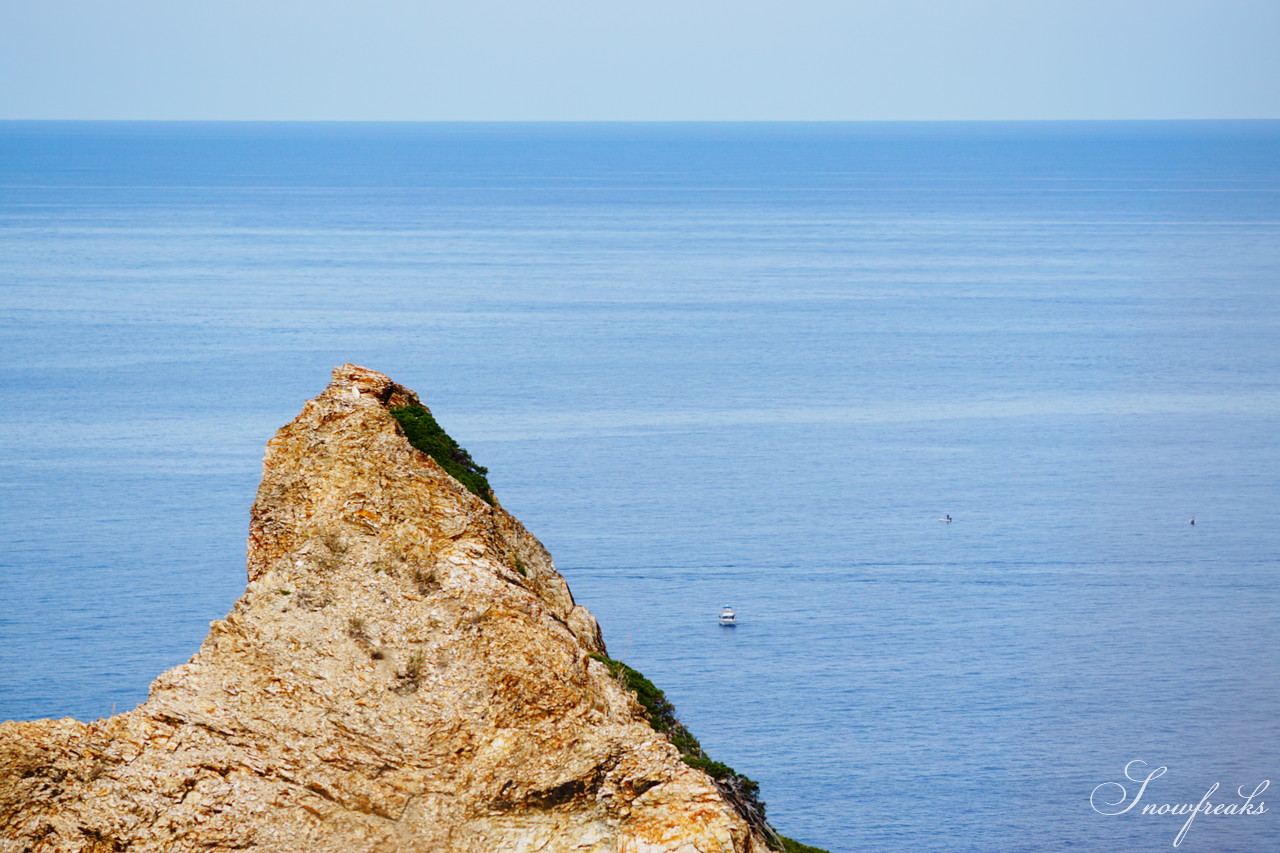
{"x":1192,"y":521}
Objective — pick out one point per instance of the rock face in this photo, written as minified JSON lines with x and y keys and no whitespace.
{"x":406,"y":671}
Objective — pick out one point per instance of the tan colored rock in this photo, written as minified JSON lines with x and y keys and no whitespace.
{"x":389,"y":681}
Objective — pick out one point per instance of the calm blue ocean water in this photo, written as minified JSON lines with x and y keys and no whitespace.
{"x":708,"y":364}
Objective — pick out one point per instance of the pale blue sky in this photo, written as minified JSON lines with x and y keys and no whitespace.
{"x":657,"y":60}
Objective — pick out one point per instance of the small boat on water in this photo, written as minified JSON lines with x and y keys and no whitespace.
{"x":727,"y":616}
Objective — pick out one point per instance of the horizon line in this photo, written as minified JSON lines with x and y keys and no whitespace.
{"x":492,"y":121}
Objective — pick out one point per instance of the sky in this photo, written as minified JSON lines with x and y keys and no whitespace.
{"x":674,"y":60}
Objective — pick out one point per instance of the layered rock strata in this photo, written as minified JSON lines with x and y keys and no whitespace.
{"x":406,"y":671}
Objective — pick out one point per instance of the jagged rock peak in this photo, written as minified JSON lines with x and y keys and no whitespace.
{"x":406,"y":671}
{"x":351,"y":381}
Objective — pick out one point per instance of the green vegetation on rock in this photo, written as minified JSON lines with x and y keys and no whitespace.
{"x":744,"y":791}
{"x":790,"y":845}
{"x":425,"y":434}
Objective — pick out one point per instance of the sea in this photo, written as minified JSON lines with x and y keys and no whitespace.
{"x":755,"y":365}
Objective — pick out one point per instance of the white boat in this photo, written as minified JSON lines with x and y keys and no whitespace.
{"x":727,"y":616}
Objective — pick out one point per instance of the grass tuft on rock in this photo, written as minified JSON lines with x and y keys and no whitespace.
{"x":742,"y":790}
{"x":425,"y":434}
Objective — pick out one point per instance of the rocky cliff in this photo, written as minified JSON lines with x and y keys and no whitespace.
{"x":406,"y":671}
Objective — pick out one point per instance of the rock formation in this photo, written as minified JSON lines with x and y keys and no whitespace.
{"x":406,"y":671}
